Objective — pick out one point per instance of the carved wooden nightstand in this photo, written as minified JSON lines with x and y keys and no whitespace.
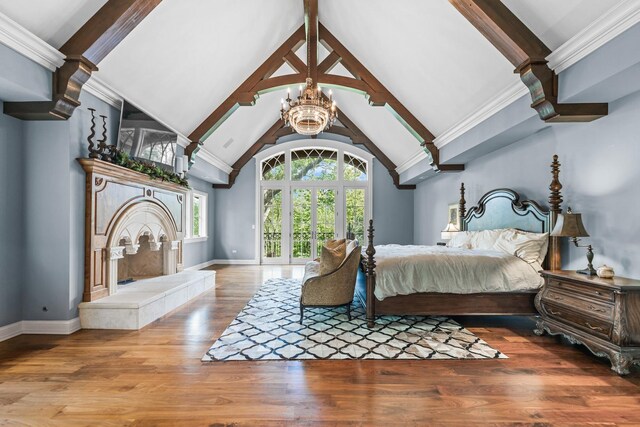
{"x":602,"y":314}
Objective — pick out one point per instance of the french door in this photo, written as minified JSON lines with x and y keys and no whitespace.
{"x":313,"y":221}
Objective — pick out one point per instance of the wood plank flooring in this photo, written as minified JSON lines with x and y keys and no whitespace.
{"x":154,"y":377}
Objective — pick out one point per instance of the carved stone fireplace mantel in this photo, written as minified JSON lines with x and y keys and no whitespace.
{"x":124,"y":210}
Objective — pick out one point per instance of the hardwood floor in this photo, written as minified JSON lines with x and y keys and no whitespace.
{"x":154,"y":377}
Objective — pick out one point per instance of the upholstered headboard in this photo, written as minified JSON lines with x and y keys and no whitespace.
{"x":502,"y":208}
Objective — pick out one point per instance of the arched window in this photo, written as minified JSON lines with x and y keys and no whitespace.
{"x":273,"y":168}
{"x":313,"y":164}
{"x":355,"y":168}
{"x":309,"y":194}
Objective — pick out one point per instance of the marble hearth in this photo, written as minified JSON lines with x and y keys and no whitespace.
{"x":137,"y":304}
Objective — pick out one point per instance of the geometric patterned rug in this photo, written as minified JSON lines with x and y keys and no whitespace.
{"x":268,"y":328}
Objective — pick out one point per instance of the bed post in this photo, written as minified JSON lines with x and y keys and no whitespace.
{"x":462,"y":210}
{"x":555,"y":202}
{"x":371,"y":278}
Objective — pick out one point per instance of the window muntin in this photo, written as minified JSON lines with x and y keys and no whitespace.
{"x":314,"y":164}
{"x":273,"y":168}
{"x":355,"y":168}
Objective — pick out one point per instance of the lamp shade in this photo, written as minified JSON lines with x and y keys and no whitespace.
{"x":448,"y":232}
{"x":569,"y":225}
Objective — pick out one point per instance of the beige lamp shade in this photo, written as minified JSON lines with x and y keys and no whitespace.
{"x":448,"y":232}
{"x":569,"y":225}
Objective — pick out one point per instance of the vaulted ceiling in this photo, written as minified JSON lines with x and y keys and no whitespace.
{"x":187,"y":56}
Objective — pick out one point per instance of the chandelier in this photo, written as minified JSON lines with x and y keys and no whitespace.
{"x":311,"y":112}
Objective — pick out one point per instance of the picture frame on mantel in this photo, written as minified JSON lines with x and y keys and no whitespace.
{"x":453,"y":217}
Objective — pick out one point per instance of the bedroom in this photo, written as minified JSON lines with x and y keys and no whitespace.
{"x":428,"y":71}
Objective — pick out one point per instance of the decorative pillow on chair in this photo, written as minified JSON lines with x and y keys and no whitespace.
{"x":333,"y":243}
{"x":331,"y":258}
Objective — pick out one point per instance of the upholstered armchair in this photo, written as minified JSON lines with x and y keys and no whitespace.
{"x":333,"y":289}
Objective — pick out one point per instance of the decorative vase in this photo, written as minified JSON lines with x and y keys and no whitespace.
{"x":605,"y":272}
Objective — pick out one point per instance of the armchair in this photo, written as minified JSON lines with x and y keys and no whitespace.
{"x":334,"y":289}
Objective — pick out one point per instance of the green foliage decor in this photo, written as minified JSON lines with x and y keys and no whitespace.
{"x":122,"y":159}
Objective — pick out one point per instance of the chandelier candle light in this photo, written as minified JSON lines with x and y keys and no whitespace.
{"x":310,"y":113}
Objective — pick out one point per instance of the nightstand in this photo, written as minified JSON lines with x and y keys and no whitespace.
{"x":602,"y":314}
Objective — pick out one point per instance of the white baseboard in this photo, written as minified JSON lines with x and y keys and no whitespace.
{"x":10,"y":331}
{"x":40,"y":327}
{"x":237,"y":261}
{"x":201,"y":265}
{"x":51,"y":327}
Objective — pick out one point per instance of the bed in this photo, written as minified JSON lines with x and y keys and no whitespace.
{"x":436,"y":280}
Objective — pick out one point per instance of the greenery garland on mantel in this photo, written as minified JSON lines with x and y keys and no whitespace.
{"x":123,"y":159}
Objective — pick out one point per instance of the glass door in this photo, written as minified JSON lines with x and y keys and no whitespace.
{"x":313,"y":221}
{"x":301,"y":225}
{"x":272,"y":226}
{"x":355,"y":208}
{"x":325,"y":217}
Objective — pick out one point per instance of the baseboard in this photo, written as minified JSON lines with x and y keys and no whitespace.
{"x":201,"y":265}
{"x":40,"y":327}
{"x":236,"y":261}
{"x":10,"y":331}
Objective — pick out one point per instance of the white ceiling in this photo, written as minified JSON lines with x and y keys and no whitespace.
{"x":187,"y":56}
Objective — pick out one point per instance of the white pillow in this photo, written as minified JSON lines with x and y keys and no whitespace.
{"x":545,"y":246}
{"x":485,"y":239}
{"x":461,"y":239}
{"x":526,"y":246}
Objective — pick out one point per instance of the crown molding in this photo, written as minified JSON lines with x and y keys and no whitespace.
{"x":212,"y":159}
{"x":604,"y":29}
{"x":416,"y":158}
{"x":509,"y":95}
{"x":102,"y":91}
{"x":23,"y":41}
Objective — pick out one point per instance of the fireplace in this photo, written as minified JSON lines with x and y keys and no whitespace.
{"x":134,"y":227}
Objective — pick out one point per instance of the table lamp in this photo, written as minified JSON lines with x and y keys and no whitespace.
{"x":570,"y":225}
{"x":448,"y":232}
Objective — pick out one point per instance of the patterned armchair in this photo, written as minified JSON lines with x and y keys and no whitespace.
{"x":334,"y":289}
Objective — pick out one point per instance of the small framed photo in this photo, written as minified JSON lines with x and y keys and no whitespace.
{"x":454,"y":218}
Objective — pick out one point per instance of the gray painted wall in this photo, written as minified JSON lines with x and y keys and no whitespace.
{"x":235,"y":215}
{"x":11,"y":219}
{"x":599,"y":172}
{"x":392,"y":209}
{"x":200,"y":252}
{"x":235,"y":211}
{"x":54,"y":211}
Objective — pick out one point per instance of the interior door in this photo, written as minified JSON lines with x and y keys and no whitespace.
{"x":313,"y":221}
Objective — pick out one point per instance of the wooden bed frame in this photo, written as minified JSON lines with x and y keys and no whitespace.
{"x":499,"y":208}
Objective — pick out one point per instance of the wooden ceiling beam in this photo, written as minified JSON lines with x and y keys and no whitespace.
{"x":329,"y":63}
{"x":311,"y":32}
{"x":349,"y":130}
{"x":363,"y":81}
{"x":527,"y":53}
{"x":84,"y":51}
{"x":294,"y":62}
{"x":269,"y":137}
{"x":236,"y":98}
{"x":247,"y":92}
{"x":379,"y":95}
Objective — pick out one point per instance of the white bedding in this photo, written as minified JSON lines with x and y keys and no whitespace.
{"x":408,"y":269}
